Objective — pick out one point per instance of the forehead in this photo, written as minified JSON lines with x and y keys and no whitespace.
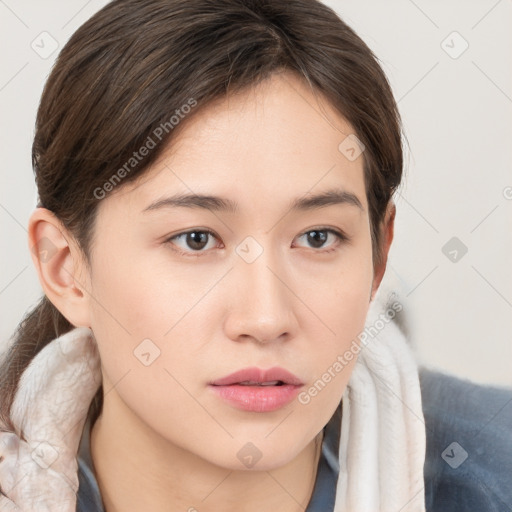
{"x":273,"y":142}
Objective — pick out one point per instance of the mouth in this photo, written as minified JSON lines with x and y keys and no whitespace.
{"x":254,"y":383}
{"x":256,"y":390}
{"x":257,"y":377}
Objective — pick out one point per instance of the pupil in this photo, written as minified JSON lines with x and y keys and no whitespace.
{"x":322,"y":235}
{"x":194,"y":239}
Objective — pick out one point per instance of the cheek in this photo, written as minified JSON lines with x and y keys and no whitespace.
{"x":341,"y":301}
{"x":135,"y":304}
{"x":136,"y":295}
{"x":339,"y":293}
{"x":144,"y":313}
{"x":126,"y":310}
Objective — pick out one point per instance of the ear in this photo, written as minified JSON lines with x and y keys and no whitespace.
{"x":60,"y":266}
{"x":387,"y":230}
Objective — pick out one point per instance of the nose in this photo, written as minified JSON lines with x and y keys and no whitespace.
{"x":262,"y":303}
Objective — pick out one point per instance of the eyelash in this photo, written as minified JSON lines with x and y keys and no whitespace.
{"x":341,"y":237}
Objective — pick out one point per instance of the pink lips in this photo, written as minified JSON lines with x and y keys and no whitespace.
{"x":256,"y":390}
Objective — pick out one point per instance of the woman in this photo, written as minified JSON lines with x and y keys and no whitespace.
{"x":215,"y":184}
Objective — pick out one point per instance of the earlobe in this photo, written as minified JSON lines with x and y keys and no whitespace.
{"x":58,"y":263}
{"x":388,"y":227}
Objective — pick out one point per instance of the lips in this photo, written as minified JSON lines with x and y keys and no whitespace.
{"x":256,"y":390}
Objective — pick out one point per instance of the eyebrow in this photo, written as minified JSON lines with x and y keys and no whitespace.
{"x":215,"y":203}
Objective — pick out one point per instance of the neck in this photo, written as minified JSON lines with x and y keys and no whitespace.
{"x":136,"y":469}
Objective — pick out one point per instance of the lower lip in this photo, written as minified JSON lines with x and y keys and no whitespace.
{"x":257,"y":398}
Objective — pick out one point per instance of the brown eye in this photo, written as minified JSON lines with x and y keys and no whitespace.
{"x":194,"y":241}
{"x":317,"y":238}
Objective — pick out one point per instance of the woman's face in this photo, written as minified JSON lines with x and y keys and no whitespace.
{"x":270,"y":286}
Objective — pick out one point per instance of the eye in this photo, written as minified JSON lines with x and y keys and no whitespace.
{"x":318,"y":238}
{"x":196,"y":240}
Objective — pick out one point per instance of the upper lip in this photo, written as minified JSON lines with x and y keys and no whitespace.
{"x":260,"y":376}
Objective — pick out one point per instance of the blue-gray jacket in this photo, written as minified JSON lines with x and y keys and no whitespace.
{"x":468,"y":463}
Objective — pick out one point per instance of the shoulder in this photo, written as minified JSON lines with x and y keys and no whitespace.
{"x":468,"y":463}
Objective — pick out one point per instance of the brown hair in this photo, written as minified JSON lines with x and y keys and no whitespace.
{"x":127,"y":70}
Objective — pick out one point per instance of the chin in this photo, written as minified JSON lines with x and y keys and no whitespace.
{"x":265,"y":454}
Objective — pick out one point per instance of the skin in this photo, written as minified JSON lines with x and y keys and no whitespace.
{"x":164,"y":440}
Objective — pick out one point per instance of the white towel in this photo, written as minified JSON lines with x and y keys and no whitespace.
{"x":382,"y":440}
{"x":50,"y":407}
